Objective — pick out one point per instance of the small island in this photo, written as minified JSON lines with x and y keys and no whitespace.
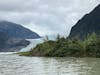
{"x":64,"y":47}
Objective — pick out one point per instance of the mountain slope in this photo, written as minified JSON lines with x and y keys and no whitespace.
{"x":9,"y":44}
{"x":88,"y":24}
{"x":3,"y":39}
{"x":12,"y":36}
{"x":17,"y":31}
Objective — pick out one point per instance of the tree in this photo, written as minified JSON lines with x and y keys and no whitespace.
{"x":46,"y":38}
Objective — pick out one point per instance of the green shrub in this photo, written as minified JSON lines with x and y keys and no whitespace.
{"x":64,"y":47}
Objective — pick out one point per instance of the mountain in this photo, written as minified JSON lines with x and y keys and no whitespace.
{"x":9,"y":44}
{"x":87,"y":25}
{"x":12,"y":36}
{"x":3,"y":39}
{"x":17,"y":31}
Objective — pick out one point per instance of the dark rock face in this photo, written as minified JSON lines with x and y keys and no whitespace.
{"x":17,"y":31}
{"x":12,"y":36}
{"x":87,"y":25}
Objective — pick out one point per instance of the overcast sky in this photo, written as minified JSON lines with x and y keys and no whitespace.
{"x":46,"y":17}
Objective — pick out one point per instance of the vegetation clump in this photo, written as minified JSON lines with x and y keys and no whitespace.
{"x":65,"y":47}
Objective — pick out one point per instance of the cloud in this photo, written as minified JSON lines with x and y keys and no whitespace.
{"x":46,"y":17}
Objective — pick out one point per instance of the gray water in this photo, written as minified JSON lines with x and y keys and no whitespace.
{"x":12,"y":64}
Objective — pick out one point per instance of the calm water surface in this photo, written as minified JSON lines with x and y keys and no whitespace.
{"x":11,"y":64}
